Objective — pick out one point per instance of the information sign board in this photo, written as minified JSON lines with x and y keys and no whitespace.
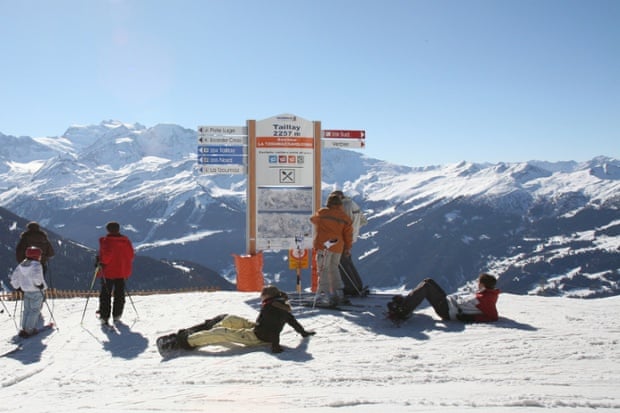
{"x":284,"y":181}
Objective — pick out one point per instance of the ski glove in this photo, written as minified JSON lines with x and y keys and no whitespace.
{"x":307,"y":333}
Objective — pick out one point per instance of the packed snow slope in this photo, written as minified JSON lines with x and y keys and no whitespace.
{"x":546,"y":353}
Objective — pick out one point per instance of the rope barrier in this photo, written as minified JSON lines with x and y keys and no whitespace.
{"x":55,"y":293}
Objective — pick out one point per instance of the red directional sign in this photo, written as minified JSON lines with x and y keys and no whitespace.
{"x":344,"y":134}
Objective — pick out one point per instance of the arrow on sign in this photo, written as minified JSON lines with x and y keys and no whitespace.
{"x":344,"y":134}
{"x":343,"y":143}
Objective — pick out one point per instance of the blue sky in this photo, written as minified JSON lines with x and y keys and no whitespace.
{"x":432,"y":82}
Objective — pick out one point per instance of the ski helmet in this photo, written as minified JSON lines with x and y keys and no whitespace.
{"x":34,"y":253}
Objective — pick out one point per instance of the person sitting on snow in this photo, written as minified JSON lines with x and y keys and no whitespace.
{"x":28,"y":278}
{"x":472,"y":308}
{"x":226,"y":328}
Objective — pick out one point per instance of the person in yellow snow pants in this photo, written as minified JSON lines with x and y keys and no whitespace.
{"x":232,"y":329}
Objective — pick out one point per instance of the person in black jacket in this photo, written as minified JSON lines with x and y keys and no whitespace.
{"x":34,"y":236}
{"x":227,"y":328}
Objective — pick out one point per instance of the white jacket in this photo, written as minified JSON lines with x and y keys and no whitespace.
{"x":27,"y":275}
{"x":355,"y":213}
{"x":465,"y":303}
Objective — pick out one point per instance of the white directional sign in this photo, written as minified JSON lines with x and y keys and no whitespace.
{"x":223,"y":130}
{"x":222,"y":140}
{"x":343,"y":143}
{"x":222,"y":135}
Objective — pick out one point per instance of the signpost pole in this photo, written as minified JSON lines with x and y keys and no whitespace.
{"x":317,"y":165}
{"x":251,"y":189}
{"x":317,"y":192}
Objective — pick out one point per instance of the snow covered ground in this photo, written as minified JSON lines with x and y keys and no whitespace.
{"x":556,"y":354}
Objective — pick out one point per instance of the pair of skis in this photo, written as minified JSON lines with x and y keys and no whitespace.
{"x":312,"y":303}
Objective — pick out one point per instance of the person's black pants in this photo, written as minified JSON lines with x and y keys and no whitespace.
{"x":350,"y":277}
{"x":433,"y":293}
{"x":109,"y":287}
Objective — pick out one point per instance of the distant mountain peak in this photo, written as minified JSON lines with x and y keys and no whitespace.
{"x":448,"y":221}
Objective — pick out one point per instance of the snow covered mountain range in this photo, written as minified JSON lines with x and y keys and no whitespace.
{"x":544,"y":228}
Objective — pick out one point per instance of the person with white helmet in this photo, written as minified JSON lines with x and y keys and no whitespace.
{"x":28,"y":278}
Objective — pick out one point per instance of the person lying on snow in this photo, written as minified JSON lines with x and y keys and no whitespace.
{"x":226,"y":328}
{"x":472,"y":308}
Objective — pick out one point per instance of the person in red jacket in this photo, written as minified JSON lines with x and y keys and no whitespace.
{"x":115,"y":260}
{"x":472,"y":308}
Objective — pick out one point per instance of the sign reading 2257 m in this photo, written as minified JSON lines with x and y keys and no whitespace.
{"x":285,"y":146}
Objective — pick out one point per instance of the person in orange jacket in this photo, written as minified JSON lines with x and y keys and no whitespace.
{"x":115,"y":259}
{"x":333,"y":236}
{"x":471,"y":308}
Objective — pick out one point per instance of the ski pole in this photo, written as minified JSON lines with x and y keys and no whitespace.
{"x":16,"y":300}
{"x":345,"y":272}
{"x":8,"y":312}
{"x":92,"y":283}
{"x":50,"y":282}
{"x":49,"y":309}
{"x":4,"y":307}
{"x":132,"y":304}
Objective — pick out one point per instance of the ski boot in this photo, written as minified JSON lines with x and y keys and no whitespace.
{"x":168,"y":344}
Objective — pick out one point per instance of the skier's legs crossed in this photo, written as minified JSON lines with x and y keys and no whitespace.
{"x":433,"y":293}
